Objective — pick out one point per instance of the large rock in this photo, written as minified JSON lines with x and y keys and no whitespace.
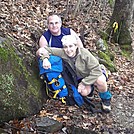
{"x":20,"y":94}
{"x":45,"y":124}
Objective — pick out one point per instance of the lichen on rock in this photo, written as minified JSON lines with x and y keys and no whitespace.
{"x":20,"y":93}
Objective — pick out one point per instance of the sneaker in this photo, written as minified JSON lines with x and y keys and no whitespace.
{"x":106,"y":106}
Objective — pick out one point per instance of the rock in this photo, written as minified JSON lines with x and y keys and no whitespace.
{"x":20,"y":94}
{"x":100,"y":44}
{"x":46,"y":124}
{"x":75,"y":130}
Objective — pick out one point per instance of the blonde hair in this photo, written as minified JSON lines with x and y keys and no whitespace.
{"x":69,"y":39}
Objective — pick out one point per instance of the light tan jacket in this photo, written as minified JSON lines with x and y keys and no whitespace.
{"x":85,"y":64}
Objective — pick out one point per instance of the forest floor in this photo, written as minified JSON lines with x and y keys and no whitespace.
{"x":24,"y":20}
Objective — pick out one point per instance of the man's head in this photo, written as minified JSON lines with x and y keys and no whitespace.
{"x":54,"y":24}
{"x":69,"y":45}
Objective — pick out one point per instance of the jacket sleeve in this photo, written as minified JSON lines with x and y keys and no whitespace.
{"x":93,"y":69}
{"x":55,"y":51}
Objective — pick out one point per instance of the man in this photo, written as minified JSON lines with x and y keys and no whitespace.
{"x":85,"y":65}
{"x":52,"y":37}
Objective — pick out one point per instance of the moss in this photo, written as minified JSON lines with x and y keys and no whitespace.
{"x":110,"y":55}
{"x":107,"y":52}
{"x":111,"y":2}
{"x":13,"y":72}
{"x":103,"y":34}
{"x":107,"y":61}
{"x":107,"y":57}
{"x":126,"y":50}
{"x":4,"y":54}
{"x":7,"y":85}
{"x":6,"y":81}
{"x":105,"y":44}
{"x":126,"y":53}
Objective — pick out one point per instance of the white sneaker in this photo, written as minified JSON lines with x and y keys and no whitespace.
{"x":106,"y":106}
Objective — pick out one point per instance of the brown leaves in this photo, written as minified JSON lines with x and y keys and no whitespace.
{"x":19,"y":19}
{"x":25,"y":20}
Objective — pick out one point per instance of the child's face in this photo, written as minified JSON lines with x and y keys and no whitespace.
{"x":70,"y":49}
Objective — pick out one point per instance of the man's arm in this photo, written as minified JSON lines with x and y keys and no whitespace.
{"x":44,"y":56}
{"x":42,"y":52}
{"x":43,"y":42}
{"x":80,"y":44}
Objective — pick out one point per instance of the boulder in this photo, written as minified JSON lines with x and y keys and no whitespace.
{"x":20,"y":93}
{"x":46,"y":124}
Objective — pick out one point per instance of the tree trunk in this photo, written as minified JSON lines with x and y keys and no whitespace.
{"x":123,"y":15}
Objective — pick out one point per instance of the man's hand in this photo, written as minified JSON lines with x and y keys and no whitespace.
{"x":84,"y":90}
{"x":46,"y":64}
{"x":42,"y":52}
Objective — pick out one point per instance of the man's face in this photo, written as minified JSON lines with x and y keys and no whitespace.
{"x":70,"y":49}
{"x":54,"y":25}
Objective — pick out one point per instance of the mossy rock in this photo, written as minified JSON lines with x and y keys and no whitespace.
{"x":105,"y":56}
{"x":20,"y":94}
{"x":107,"y":60}
{"x":126,"y":50}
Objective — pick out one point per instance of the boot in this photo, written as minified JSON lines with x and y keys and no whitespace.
{"x":106,"y":105}
{"x":106,"y":99}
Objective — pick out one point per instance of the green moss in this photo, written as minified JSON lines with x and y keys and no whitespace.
{"x":110,"y":55}
{"x":16,"y":71}
{"x":7,"y":86}
{"x":126,"y":53}
{"x":111,"y":2}
{"x":8,"y":54}
{"x":103,"y":34}
{"x":107,"y":61}
{"x":126,"y":50}
{"x":33,"y":91}
{"x":8,"y":94}
{"x":104,"y":56}
{"x":105,"y":44}
{"x":7,"y":82}
{"x":4,"y":54}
